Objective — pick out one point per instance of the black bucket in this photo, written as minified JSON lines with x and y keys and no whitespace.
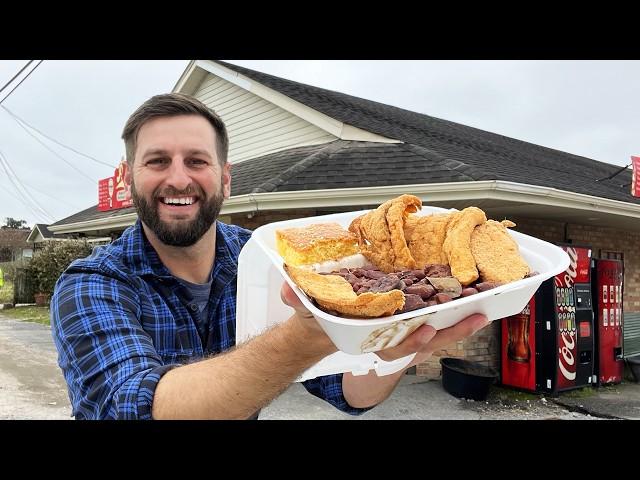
{"x":634,"y":365}
{"x":466,"y":379}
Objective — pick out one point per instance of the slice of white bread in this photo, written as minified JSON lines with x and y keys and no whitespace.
{"x":315,"y":243}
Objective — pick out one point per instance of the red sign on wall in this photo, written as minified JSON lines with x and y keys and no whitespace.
{"x":112,"y":191}
{"x":635,"y":176}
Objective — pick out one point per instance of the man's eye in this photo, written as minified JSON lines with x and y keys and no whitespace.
{"x":156,"y":161}
{"x":197,"y":162}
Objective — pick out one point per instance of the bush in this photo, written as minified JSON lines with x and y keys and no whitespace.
{"x":47,"y":266}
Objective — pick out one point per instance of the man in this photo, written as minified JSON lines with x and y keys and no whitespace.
{"x":145,"y":327}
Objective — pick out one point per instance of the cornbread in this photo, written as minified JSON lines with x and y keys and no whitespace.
{"x":315,"y":243}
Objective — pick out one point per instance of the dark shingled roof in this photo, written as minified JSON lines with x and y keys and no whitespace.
{"x":479,"y":154}
{"x":92,"y":213}
{"x":48,"y":234}
{"x":344,"y":164}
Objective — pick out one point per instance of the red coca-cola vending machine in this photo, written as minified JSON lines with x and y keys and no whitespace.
{"x":549,"y":346}
{"x":607,"y":282}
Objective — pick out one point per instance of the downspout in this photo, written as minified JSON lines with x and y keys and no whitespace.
{"x":255,"y":208}
{"x":566,"y":234}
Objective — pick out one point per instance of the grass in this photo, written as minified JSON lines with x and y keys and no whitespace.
{"x":28,"y":314}
{"x":6,"y":292}
{"x":508,"y":395}
{"x":580,"y":392}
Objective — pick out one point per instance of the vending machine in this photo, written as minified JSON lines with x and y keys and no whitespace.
{"x":549,"y":346}
{"x":607,"y":276}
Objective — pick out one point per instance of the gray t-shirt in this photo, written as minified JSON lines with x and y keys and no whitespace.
{"x":199,"y":293}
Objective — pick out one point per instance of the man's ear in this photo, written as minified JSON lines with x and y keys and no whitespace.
{"x":127,"y":180}
{"x":226,"y":180}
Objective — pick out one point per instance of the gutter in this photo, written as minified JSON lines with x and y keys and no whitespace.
{"x":99,"y":223}
{"x":432,"y":192}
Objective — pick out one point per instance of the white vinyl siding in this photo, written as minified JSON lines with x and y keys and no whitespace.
{"x":256,"y":126}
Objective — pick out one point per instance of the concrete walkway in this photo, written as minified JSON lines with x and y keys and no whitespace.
{"x":32,"y":387}
{"x":31,"y":383}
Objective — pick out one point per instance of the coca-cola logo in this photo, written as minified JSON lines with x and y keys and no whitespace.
{"x":568,"y":278}
{"x":566,"y":359}
{"x":565,"y":311}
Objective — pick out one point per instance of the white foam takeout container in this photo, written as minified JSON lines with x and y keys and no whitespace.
{"x":260,"y":275}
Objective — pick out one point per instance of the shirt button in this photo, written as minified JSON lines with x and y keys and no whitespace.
{"x":193,"y":307}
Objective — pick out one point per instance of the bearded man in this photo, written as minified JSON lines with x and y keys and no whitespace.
{"x":145,"y":326}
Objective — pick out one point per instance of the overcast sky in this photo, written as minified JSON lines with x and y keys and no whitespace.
{"x":588,"y":108}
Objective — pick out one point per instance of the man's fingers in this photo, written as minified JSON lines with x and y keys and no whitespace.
{"x":415,"y":342}
{"x":290,"y":298}
{"x":427,"y":339}
{"x":459,"y":331}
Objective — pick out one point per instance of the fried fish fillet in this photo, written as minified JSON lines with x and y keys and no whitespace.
{"x":333,"y":292}
{"x":381,"y":233}
{"x":496,"y":253}
{"x":457,"y":244}
{"x":425,"y":237}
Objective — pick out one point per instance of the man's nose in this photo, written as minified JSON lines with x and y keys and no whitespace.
{"x":178,"y":176}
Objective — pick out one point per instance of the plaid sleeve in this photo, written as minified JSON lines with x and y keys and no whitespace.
{"x":329,"y":389}
{"x":108,"y":360}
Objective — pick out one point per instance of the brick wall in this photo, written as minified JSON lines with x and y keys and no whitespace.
{"x":602,"y":238}
{"x":262,"y":218}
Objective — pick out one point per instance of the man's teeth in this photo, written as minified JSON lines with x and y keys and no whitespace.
{"x":179,"y":201}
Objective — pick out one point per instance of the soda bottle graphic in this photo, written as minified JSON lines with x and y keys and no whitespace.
{"x":518,"y":336}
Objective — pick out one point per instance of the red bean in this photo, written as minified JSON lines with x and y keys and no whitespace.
{"x":468,"y":291}
{"x":443,"y":297}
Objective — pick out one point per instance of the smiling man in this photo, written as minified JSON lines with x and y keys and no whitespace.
{"x":145,"y":326}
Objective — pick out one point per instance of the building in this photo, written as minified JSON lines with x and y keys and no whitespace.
{"x":14,"y":245}
{"x":299,"y":150}
{"x":40,"y":234}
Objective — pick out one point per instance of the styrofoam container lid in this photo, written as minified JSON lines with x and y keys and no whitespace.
{"x":357,"y":336}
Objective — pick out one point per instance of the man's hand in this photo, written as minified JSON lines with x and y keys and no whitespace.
{"x":426,"y":339}
{"x":305,"y":319}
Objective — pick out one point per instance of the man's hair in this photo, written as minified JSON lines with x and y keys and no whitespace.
{"x":171,"y":105}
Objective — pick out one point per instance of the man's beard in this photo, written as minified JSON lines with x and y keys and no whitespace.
{"x":185,"y":233}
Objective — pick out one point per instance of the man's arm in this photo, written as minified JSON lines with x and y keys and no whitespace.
{"x":113,"y":369}
{"x":236,"y":384}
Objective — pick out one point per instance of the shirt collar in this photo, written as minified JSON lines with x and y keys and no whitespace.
{"x":143,"y":259}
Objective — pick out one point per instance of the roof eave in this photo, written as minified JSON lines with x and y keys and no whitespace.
{"x":433,"y":192}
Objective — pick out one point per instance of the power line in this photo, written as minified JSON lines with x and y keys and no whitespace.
{"x":58,"y":199}
{"x":25,"y":202}
{"x":20,"y":83}
{"x":16,"y":117}
{"x":28,"y":195}
{"x":16,"y":76}
{"x":55,"y":153}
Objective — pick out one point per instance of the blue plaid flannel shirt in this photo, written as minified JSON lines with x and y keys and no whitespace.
{"x":120,"y":320}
